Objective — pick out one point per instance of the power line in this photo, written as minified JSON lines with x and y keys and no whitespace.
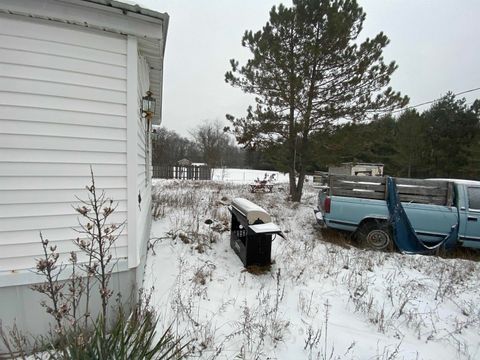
{"x":432,"y":101}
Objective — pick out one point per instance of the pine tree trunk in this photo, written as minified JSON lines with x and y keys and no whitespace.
{"x":291,"y":178}
{"x":297,"y":194}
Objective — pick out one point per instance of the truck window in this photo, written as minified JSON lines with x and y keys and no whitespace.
{"x":474,"y":198}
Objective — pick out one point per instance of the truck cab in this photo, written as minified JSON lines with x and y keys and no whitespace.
{"x":468,"y":203}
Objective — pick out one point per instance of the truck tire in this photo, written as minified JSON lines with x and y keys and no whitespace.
{"x":375,"y":234}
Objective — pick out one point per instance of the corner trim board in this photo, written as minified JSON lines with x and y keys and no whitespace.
{"x":132,"y":114}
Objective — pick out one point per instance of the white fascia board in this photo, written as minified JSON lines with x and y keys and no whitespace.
{"x":90,"y":14}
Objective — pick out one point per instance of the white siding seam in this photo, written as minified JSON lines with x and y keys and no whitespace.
{"x":49,"y":40}
{"x":65,"y":43}
{"x":64,"y":83}
{"x":67,"y":70}
{"x":62,"y":56}
{"x":61,"y":136}
{"x":64,"y":124}
{"x":69,"y":229}
{"x":70,"y":110}
{"x":64,"y":97}
{"x":72,"y":150}
{"x":61,"y":163}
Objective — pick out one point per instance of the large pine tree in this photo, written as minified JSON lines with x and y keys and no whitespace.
{"x":307,"y":69}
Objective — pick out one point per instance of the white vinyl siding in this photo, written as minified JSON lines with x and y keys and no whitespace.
{"x":143,"y":182}
{"x":62,"y":109}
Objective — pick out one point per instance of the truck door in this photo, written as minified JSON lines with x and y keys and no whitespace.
{"x":472,"y":229}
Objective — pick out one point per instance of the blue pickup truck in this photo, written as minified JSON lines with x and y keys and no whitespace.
{"x":358,"y":204}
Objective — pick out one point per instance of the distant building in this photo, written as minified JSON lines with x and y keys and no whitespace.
{"x":357,"y":169}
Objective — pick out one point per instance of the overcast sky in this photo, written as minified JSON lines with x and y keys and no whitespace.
{"x":435,"y":44}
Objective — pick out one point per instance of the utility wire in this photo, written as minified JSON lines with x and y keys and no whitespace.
{"x":432,"y":101}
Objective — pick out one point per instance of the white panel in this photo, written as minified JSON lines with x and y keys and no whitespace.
{"x":140,"y":157}
{"x":61,"y":103}
{"x":141,"y":169}
{"x":57,"y":182}
{"x":62,"y":33}
{"x":63,"y":63}
{"x":60,"y":143}
{"x":95,"y":16}
{"x":68,"y":130}
{"x":142,"y":181}
{"x":32,"y":249}
{"x":48,"y":209}
{"x":65,"y":50}
{"x":41,"y":114}
{"x":52,"y":234}
{"x":141,"y":149}
{"x":141,"y":136}
{"x":62,"y":76}
{"x":53,"y":196}
{"x":47,"y":222}
{"x":62,"y":109}
{"x":32,"y":236}
{"x":17,"y":85}
{"x":143,"y":76}
{"x":65,"y":156}
{"x":27,"y":262}
{"x":46,"y":169}
{"x":132,"y":118}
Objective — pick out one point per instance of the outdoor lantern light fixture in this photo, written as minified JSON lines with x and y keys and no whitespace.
{"x":148,"y":105}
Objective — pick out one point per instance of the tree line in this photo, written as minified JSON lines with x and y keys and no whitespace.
{"x":208,"y":144}
{"x":442,"y":141}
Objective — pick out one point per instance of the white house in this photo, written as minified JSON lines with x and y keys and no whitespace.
{"x":72,"y":77}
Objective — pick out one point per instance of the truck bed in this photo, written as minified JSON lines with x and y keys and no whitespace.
{"x":428,"y":204}
{"x":431,"y":222}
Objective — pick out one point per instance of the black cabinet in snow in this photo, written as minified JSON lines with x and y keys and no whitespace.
{"x":251,"y":232}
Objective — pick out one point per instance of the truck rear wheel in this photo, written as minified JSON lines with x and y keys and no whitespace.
{"x":376,"y":235}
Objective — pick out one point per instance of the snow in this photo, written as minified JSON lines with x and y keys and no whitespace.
{"x":319,"y":300}
{"x":246,"y":176}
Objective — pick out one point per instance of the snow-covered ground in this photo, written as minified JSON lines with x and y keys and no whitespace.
{"x":245,"y":176}
{"x":319,"y":300}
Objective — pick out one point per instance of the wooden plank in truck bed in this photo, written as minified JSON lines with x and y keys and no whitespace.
{"x":365,"y":187}
{"x":423,"y":199}
{"x":368,"y":179}
{"x":360,"y":185}
{"x":441,"y":184}
{"x":421,"y":190}
{"x":357,"y":194}
{"x":409,"y":190}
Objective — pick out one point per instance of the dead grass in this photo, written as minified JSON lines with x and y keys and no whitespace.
{"x":395,"y":294}
{"x":339,"y":238}
{"x":460,"y":253}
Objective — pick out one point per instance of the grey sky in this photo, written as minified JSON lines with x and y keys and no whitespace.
{"x":435,"y":44}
